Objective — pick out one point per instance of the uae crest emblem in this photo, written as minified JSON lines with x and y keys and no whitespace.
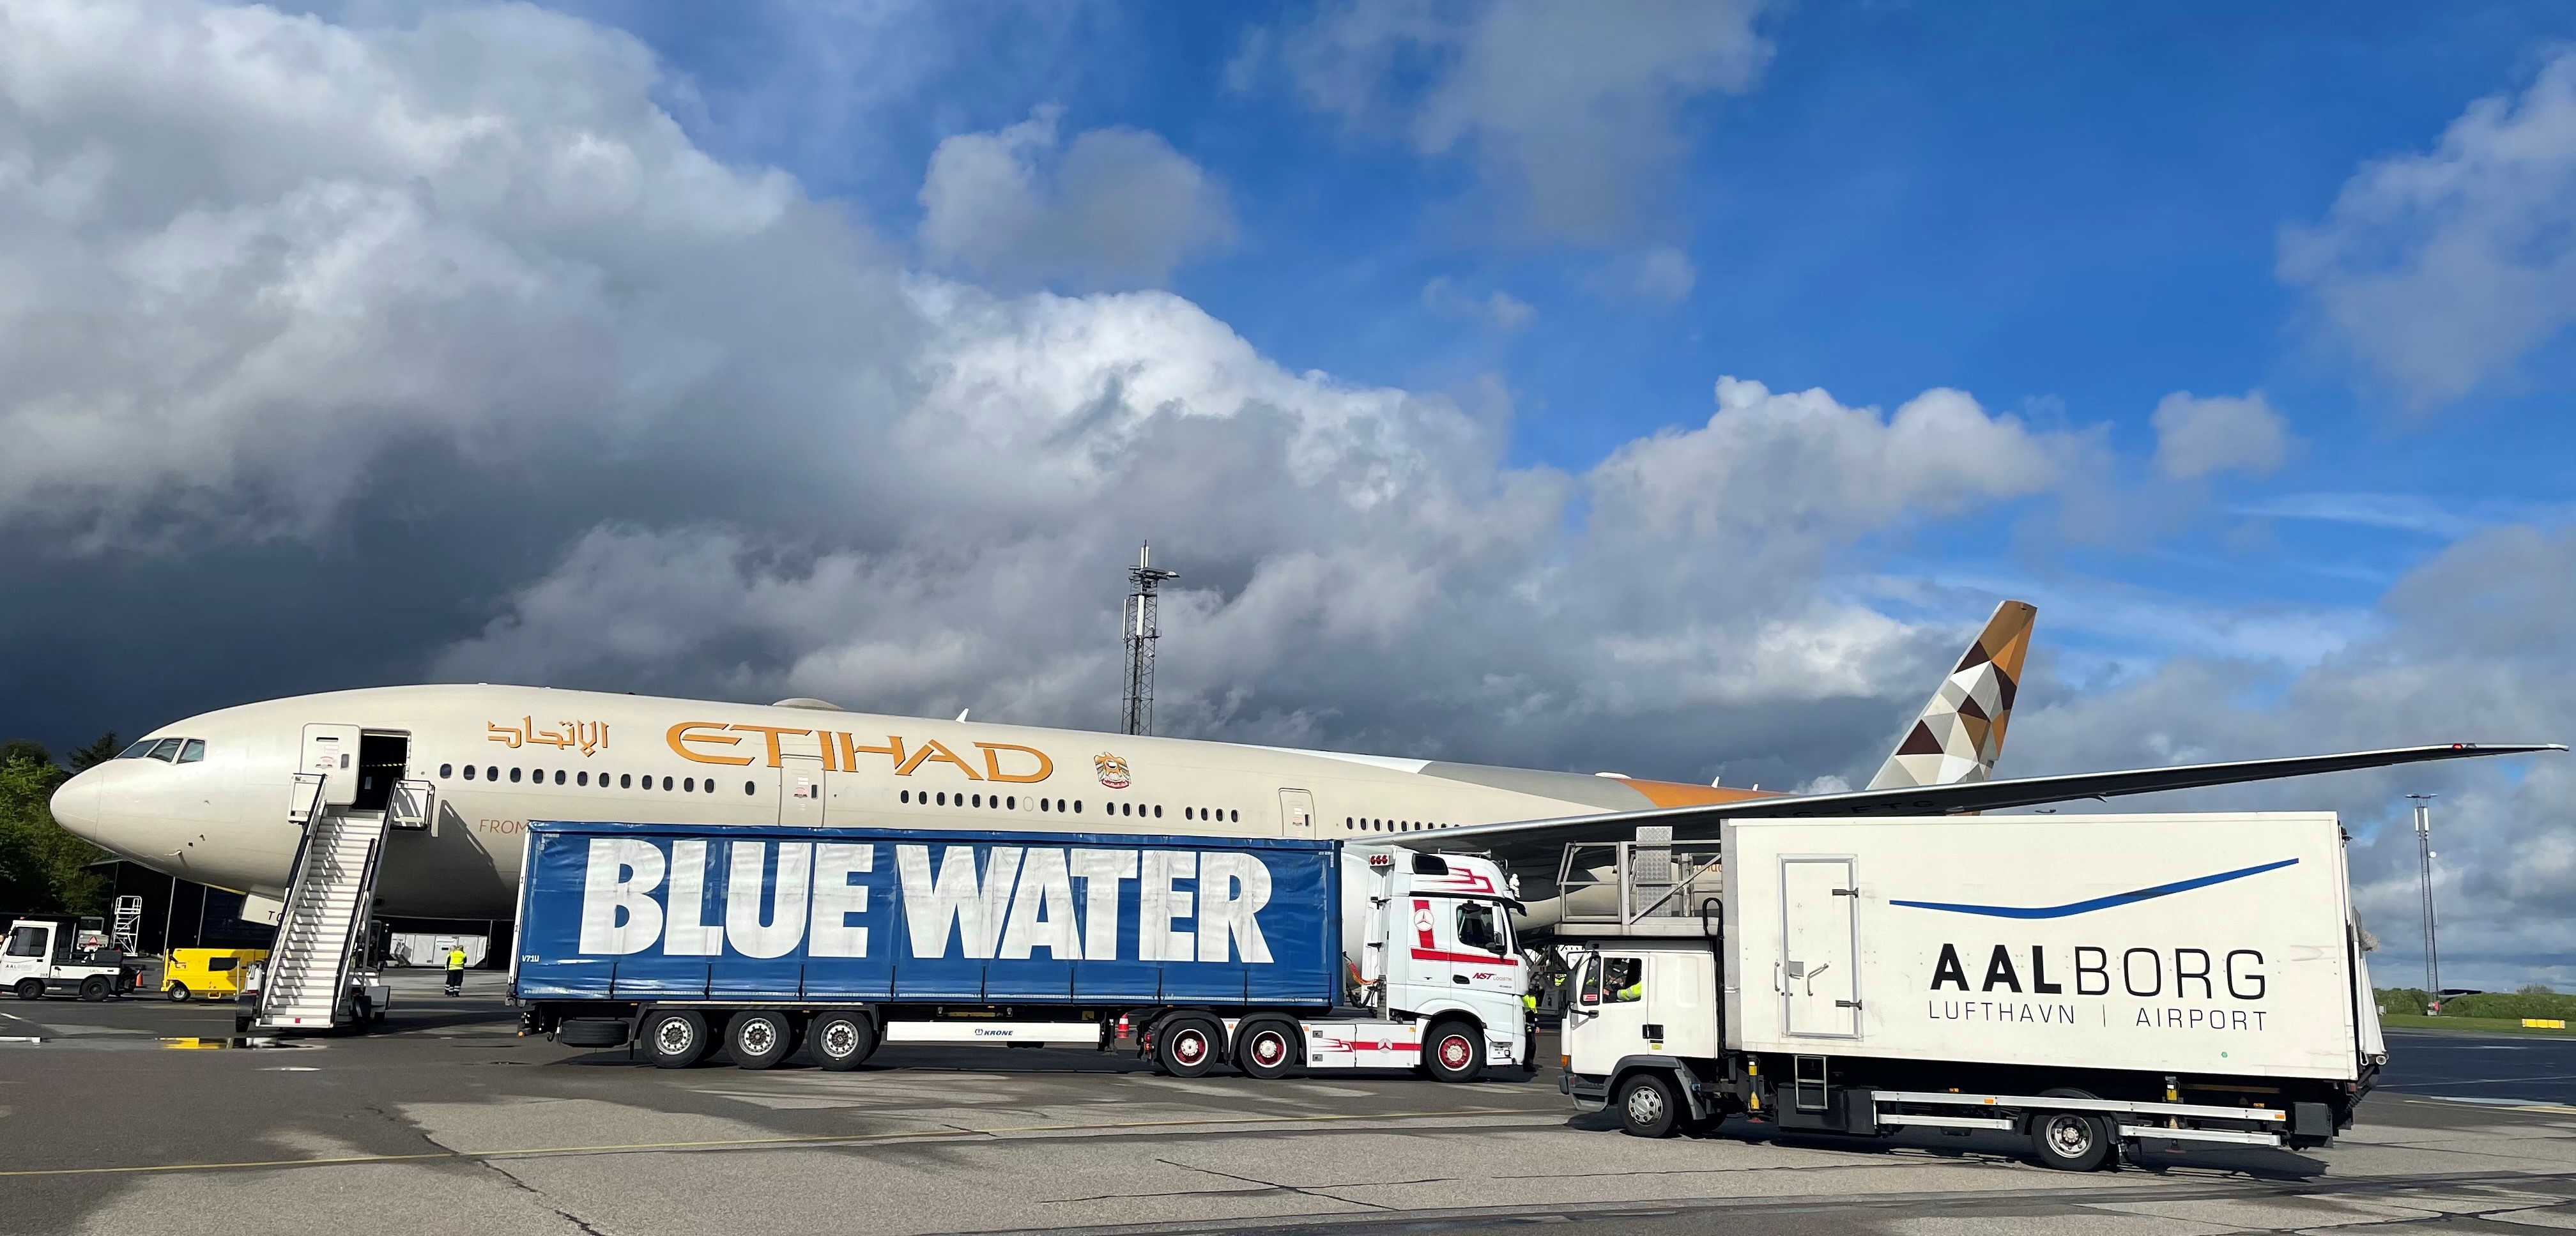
{"x":1112,"y":770}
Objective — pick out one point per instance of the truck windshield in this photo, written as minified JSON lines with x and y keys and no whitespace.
{"x":27,"y":942}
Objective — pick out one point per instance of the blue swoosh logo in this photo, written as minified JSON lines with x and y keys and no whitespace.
{"x":2099,"y":903}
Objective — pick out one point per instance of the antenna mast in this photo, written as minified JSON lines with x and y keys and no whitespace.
{"x":1141,"y":629}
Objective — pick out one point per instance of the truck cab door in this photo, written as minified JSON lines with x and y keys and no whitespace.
{"x":28,"y":954}
{"x":1607,"y":1019}
{"x":1482,"y":966}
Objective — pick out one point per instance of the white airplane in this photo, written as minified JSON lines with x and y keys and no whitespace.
{"x":206,"y":799}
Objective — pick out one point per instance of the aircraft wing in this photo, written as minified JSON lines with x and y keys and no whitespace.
{"x":1528,"y":840}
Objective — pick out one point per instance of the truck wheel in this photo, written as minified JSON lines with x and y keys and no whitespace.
{"x":1266,"y":1048}
{"x":94,"y":988}
{"x":1649,"y":1106}
{"x":758,"y":1039}
{"x":361,"y":1011}
{"x":1187,"y":1046}
{"x":2071,"y":1141}
{"x":31,"y":989}
{"x":842,"y":1040}
{"x":675,"y":1038}
{"x":178,"y":993}
{"x":1454,"y":1052}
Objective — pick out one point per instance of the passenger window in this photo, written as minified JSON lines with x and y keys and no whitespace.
{"x":491,"y":773}
{"x":469,"y":772}
{"x":192,"y":751}
{"x":666,"y":783}
{"x":514,"y":776}
{"x":749,"y":788}
{"x":558,"y":776}
{"x":165,"y":750}
{"x":449,"y":770}
{"x":625,"y":781}
{"x":690,"y":785}
{"x":1476,"y":927}
{"x":1623,"y":979}
{"x":218,"y":965}
{"x":581,"y":778}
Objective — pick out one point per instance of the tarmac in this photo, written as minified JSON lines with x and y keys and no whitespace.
{"x":134,"y":1116}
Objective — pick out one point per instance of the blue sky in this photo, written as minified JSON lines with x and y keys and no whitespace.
{"x":2067,"y":212}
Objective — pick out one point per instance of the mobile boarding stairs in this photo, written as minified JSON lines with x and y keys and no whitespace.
{"x":319,"y":975}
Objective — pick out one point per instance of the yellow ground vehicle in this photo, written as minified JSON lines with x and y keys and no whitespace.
{"x":208,"y":973}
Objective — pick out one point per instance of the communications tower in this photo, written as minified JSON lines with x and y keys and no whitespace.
{"x":1141,"y":631}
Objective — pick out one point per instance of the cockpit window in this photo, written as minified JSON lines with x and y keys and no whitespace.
{"x":138,"y":750}
{"x":192,"y":751}
{"x":165,"y":750}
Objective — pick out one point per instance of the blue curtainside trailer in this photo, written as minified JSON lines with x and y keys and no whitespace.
{"x":729,"y":913}
{"x":688,"y":938}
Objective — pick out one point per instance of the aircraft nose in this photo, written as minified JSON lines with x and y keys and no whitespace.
{"x":76,"y":807}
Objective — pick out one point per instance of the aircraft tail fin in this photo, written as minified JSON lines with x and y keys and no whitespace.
{"x":1960,"y":733}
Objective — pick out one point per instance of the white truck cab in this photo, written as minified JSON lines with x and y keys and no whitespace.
{"x":1430,"y":939}
{"x":53,"y":955}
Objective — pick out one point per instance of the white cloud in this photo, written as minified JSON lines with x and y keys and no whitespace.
{"x":2441,"y":270}
{"x":1119,"y":207}
{"x":1660,"y":275}
{"x":1575,"y":110}
{"x":2195,"y":436}
{"x":1498,"y":308}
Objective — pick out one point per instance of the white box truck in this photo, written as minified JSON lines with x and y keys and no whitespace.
{"x":2088,"y":981}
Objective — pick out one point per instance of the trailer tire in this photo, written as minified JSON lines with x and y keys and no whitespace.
{"x":1268,"y":1048}
{"x":178,"y":993}
{"x":1188,"y":1046}
{"x":759,"y":1039}
{"x":842,"y":1041}
{"x":675,"y":1038}
{"x":2072,"y":1141}
{"x":95,"y":988}
{"x":1648,"y":1105}
{"x":1454,"y":1051}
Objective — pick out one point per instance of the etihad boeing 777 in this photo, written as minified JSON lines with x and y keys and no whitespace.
{"x":207,"y":799}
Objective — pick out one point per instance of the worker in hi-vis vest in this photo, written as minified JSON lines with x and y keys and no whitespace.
{"x":456,"y":970}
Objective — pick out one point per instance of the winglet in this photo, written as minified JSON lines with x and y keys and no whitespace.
{"x":1960,"y":733}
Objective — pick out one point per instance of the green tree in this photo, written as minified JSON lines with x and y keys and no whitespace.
{"x":99,"y":751}
{"x":41,"y":866}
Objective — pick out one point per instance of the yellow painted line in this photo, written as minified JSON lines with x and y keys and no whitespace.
{"x":815,"y":1139}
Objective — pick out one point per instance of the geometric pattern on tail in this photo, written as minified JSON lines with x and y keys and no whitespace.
{"x":1960,"y":732}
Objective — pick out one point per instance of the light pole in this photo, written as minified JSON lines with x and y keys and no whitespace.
{"x":2432,"y":941}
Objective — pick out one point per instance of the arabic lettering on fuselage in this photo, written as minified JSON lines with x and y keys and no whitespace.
{"x":590,"y":736}
{"x":714,"y":742}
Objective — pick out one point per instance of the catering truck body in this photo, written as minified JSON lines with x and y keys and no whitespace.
{"x":2086,"y":980}
{"x":1198,"y":950}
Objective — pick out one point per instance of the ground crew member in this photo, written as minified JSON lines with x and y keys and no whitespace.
{"x":456,"y":969}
